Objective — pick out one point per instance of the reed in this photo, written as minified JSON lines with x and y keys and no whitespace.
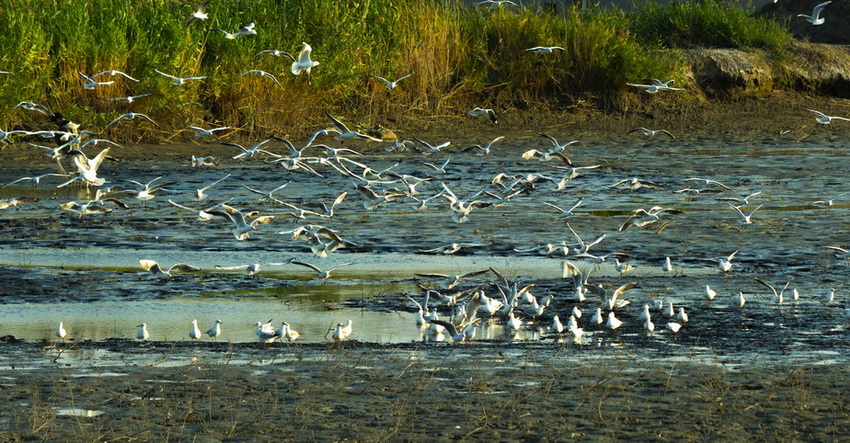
{"x":458,"y":54}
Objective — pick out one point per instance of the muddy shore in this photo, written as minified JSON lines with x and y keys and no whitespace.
{"x":368,"y":391}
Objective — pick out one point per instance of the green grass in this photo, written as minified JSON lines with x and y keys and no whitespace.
{"x":458,"y":55}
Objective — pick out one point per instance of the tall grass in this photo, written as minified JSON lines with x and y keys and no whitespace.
{"x":458,"y":54}
{"x":709,"y":23}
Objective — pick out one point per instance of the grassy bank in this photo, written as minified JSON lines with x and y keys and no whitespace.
{"x":459,"y":55}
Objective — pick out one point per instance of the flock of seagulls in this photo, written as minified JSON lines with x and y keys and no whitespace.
{"x":457,"y":305}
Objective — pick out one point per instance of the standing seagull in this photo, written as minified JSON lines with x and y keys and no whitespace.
{"x":143,"y":332}
{"x":815,"y":18}
{"x":195,"y":333}
{"x":215,"y":331}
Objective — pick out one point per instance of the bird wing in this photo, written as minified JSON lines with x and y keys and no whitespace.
{"x":307,"y":265}
{"x":337,"y":124}
{"x":147,"y":265}
{"x":183,"y":267}
{"x":767,"y":284}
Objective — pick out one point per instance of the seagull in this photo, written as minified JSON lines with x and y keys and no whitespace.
{"x":200,"y":132}
{"x":428,"y":148}
{"x":482,"y":150}
{"x":201,"y":193}
{"x":823,"y":118}
{"x":815,"y":18}
{"x":266,"y":195}
{"x":476,"y":111}
{"x":304,"y":64}
{"x":496,"y":3}
{"x":682,"y":316}
{"x":451,"y":248}
{"x":828,"y":297}
{"x":215,"y":331}
{"x":198,"y":162}
{"x":667,"y":266}
{"x":725,"y":264}
{"x":652,"y":89}
{"x":242,"y":31}
{"x":636,"y":183}
{"x":651,"y":132}
{"x":199,"y":14}
{"x":740,"y":300}
{"x":153,"y":267}
{"x":827,"y":203}
{"x":778,"y":297}
{"x":275,"y":53}
{"x":345,"y":133}
{"x":30,"y":106}
{"x":36,"y":179}
{"x":143,"y":332}
{"x":710,"y":293}
{"x":149,"y":188}
{"x":564,"y":213}
{"x":544,"y":49}
{"x":673,"y":327}
{"x":114,"y":72}
{"x":131,"y":116}
{"x":87,"y":168}
{"x":466,"y":332}
{"x":613,"y":301}
{"x":128,"y":99}
{"x":203,"y":215}
{"x":195,"y":333}
{"x":60,"y":331}
{"x":391,"y":84}
{"x":266,"y":332}
{"x":648,"y":325}
{"x":340,"y":332}
{"x":261,"y":73}
{"x":710,"y":182}
{"x":557,"y":326}
{"x":745,"y":200}
{"x":450,"y":281}
{"x":613,"y":321}
{"x":253,"y":268}
{"x":745,"y":218}
{"x":597,"y":317}
{"x":320,"y":274}
{"x":241,"y":228}
{"x":623,"y":267}
{"x":89,"y":83}
{"x":180,"y":80}
{"x":248,"y":153}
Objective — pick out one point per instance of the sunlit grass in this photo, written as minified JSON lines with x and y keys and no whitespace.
{"x":458,"y":55}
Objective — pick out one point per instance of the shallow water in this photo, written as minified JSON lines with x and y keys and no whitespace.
{"x":84,"y":270}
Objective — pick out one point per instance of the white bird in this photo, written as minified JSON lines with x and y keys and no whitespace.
{"x":195,"y":333}
{"x":597,"y":317}
{"x":557,"y":326}
{"x":127,"y":99}
{"x":339,"y":333}
{"x":199,"y":14}
{"x":645,"y":313}
{"x":513,"y":323}
{"x":201,"y":132}
{"x":613,"y":322}
{"x":89,"y":83}
{"x":746,"y":219}
{"x":345,"y":133}
{"x":710,"y":293}
{"x":670,"y":311}
{"x":201,"y":193}
{"x":179,"y":80}
{"x":114,"y":72}
{"x":241,"y":32}
{"x":392,"y":84}
{"x":266,"y":332}
{"x":576,"y":312}
{"x":648,"y":325}
{"x":320,"y":274}
{"x":823,"y":118}
{"x":623,"y":267}
{"x":304,"y":64}
{"x":30,"y":106}
{"x":477,"y":111}
{"x":725,"y":264}
{"x":198,"y":162}
{"x":143,"y":332}
{"x":276,"y":53}
{"x":261,"y":73}
{"x":428,"y":149}
{"x":287,"y":332}
{"x":827,"y":203}
{"x":36,"y":179}
{"x":652,"y":89}
{"x":203,"y":215}
{"x":815,"y":19}
{"x":682,"y":316}
{"x":565,"y":212}
{"x":248,"y":153}
{"x":674,"y":327}
{"x":778,"y":296}
{"x":461,"y":333}
{"x":215,"y":331}
{"x":60,"y":331}
{"x":667,"y":266}
{"x":149,"y":189}
{"x":651,"y":132}
{"x":450,"y":281}
{"x":451,"y":248}
{"x":577,"y":333}
{"x":496,"y":3}
{"x":740,"y":300}
{"x":131,"y":116}
{"x":482,"y":150}
{"x":544,"y":49}
{"x":154,"y":268}
{"x":828,"y":297}
{"x":241,"y":228}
